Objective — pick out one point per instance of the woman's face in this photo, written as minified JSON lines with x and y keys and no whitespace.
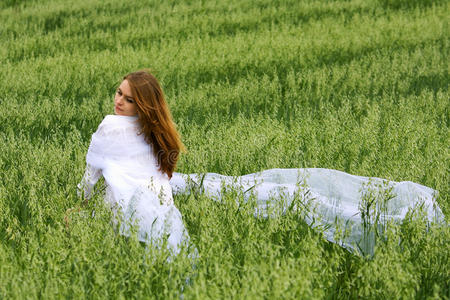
{"x":124,"y":104}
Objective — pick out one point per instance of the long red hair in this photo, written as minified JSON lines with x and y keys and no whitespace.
{"x":155,"y":119}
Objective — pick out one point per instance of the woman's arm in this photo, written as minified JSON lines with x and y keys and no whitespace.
{"x":90,"y":178}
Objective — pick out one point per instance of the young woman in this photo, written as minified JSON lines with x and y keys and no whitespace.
{"x":136,"y":151}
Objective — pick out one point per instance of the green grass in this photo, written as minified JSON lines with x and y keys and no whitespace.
{"x":358,"y":86}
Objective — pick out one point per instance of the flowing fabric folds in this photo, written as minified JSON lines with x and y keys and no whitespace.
{"x":331,"y":200}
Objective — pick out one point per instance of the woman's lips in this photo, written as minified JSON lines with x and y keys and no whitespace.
{"x":118,"y":108}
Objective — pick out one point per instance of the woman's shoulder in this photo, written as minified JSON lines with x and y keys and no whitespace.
{"x":118,"y":136}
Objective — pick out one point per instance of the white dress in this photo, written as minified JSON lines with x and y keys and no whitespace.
{"x":346,"y":208}
{"x":134,"y":185}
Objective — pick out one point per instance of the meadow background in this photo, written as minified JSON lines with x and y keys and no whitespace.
{"x":358,"y":86}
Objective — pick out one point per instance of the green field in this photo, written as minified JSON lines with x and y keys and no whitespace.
{"x":357,"y":85}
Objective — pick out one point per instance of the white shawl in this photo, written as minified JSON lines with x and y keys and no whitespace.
{"x":126,"y":160}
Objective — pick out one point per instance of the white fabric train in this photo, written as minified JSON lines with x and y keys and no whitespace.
{"x":331,"y":197}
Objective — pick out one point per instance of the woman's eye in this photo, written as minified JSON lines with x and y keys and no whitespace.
{"x":119,"y":92}
{"x":130,"y":100}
